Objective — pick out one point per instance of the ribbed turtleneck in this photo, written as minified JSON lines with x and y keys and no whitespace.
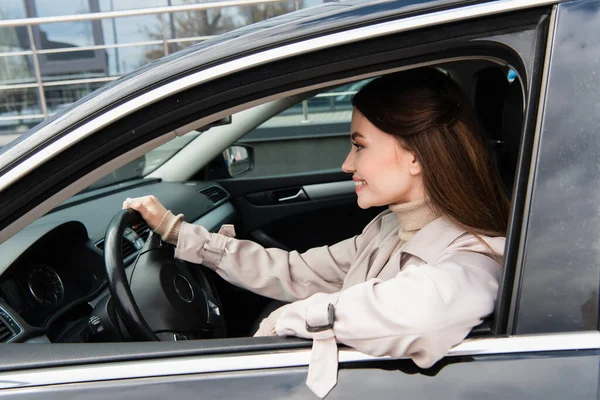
{"x":413,"y":216}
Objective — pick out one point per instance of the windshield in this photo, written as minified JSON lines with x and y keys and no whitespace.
{"x":145,"y":164}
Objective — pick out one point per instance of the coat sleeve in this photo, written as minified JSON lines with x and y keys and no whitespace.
{"x":275,"y":273}
{"x":421,"y":313}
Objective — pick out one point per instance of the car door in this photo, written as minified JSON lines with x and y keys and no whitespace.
{"x":520,"y":357}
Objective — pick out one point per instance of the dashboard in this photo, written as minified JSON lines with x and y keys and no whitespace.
{"x":52,"y":273}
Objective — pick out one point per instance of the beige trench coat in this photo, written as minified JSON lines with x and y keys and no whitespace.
{"x":417,"y":302}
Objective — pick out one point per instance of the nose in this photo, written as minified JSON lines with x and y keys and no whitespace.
{"x":348,"y":164}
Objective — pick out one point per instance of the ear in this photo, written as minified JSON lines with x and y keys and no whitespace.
{"x":415,"y":166}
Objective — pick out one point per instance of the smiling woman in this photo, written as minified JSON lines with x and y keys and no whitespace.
{"x":388,"y":172}
{"x":439,"y":151}
{"x":416,"y":148}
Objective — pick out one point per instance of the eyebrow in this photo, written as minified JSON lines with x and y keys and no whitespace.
{"x":356,"y":135}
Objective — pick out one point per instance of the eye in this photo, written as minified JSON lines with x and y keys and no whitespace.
{"x":357,"y":146}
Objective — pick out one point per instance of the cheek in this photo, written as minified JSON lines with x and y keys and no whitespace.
{"x":391,"y":179}
{"x":386,"y":167}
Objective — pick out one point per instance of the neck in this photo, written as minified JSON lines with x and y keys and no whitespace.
{"x":413,"y":216}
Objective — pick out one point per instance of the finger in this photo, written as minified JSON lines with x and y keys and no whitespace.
{"x":127,"y":203}
{"x":134,"y":204}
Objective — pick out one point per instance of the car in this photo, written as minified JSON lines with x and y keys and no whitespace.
{"x":92,"y":305}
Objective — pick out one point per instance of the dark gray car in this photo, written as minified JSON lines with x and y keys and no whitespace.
{"x":250,"y":128}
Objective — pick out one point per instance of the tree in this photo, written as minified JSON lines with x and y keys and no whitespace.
{"x":214,"y":21}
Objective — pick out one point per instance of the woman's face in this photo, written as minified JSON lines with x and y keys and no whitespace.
{"x":383,"y":172}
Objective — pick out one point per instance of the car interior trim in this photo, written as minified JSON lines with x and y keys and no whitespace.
{"x":576,"y":341}
{"x":217,"y":217}
{"x":519,"y":267}
{"x":252,"y":60}
{"x":328,"y":190}
{"x":11,"y":324}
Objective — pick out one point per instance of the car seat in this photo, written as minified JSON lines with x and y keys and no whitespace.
{"x":499,"y":106}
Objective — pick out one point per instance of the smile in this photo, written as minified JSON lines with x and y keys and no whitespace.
{"x":359,"y":185}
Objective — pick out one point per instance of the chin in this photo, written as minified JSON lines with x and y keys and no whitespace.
{"x":366,"y":199}
{"x":364,"y":204}
{"x":368,"y":203}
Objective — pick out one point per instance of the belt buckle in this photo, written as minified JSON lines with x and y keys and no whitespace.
{"x":321,"y":328}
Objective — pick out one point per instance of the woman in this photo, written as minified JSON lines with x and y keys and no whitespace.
{"x":421,"y":274}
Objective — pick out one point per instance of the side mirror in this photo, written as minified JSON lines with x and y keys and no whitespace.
{"x":238,"y":160}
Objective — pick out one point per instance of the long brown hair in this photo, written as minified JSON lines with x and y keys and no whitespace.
{"x":432,"y":118}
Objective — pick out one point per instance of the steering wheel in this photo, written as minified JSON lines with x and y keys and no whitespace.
{"x":171,"y":301}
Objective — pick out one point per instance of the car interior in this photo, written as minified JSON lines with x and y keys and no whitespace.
{"x":272,"y":170}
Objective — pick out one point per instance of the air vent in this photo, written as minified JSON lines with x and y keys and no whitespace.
{"x":127,"y":248}
{"x":215,"y":193}
{"x":5,"y":332}
{"x":8,"y":327}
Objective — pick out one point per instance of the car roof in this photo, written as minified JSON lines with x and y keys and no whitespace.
{"x":288,"y":28}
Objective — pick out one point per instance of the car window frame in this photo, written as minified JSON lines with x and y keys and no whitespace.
{"x":151,"y":132}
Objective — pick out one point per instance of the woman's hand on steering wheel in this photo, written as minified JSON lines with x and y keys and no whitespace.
{"x":149,"y":207}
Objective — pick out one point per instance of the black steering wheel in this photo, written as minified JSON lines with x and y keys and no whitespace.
{"x":169,"y":302}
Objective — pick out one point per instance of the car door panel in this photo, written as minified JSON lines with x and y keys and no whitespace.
{"x":300,"y":211}
{"x":570,"y":375}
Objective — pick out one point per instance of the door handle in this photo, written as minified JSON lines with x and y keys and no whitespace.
{"x":290,"y":195}
{"x":267,"y":198}
{"x":294,"y":197}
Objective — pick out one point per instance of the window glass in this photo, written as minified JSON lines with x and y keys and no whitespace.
{"x":117,"y":5}
{"x":14,"y":39}
{"x":214,"y":21}
{"x":173,"y":47}
{"x":123,"y":60}
{"x":19,"y":102}
{"x":53,"y":8}
{"x":12,"y":129}
{"x":15,"y":107}
{"x":17,"y":69}
{"x":74,"y":65}
{"x":208,"y":22}
{"x":310,"y":136}
{"x":61,"y":96}
{"x":312,"y":3}
{"x":10,"y":9}
{"x":141,"y":28}
{"x":66,"y":34}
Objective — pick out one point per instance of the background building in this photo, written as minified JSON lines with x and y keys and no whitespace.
{"x":53,"y":52}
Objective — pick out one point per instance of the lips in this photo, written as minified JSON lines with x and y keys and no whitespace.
{"x":359,"y":184}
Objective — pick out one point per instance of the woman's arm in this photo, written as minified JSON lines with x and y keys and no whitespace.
{"x":275,"y":273}
{"x":421,"y":313}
